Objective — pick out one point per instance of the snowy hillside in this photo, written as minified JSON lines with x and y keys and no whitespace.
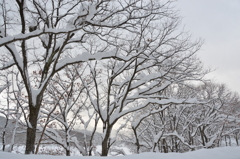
{"x":217,"y":153}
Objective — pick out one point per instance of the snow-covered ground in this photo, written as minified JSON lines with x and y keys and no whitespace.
{"x":56,"y":150}
{"x":216,"y":153}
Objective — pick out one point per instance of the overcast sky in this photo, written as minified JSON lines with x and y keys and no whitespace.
{"x":218,"y":23}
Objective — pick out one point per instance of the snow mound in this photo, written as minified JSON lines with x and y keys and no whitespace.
{"x":216,"y":153}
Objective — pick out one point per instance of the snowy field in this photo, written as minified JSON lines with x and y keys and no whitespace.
{"x":216,"y":153}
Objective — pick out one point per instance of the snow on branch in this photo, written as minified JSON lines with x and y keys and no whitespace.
{"x":84,"y":57}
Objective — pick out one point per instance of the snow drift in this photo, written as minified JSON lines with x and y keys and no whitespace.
{"x":216,"y":153}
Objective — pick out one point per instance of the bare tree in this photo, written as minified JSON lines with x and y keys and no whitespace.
{"x":158,"y":58}
{"x":11,"y":102}
{"x":219,"y":115}
{"x":183,"y":127}
{"x":158,"y":128}
{"x":64,"y":101}
{"x":6,"y":110}
{"x":37,"y":34}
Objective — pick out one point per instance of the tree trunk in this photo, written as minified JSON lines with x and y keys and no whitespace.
{"x":31,"y":130}
{"x":165,"y":148}
{"x":230,"y":140}
{"x":154,"y":147}
{"x":236,"y":138}
{"x":137,"y":140}
{"x":4,"y":133}
{"x":176,"y":145}
{"x":105,"y":147}
{"x":30,"y":141}
{"x":226,"y":140}
{"x":67,"y":139}
{"x":105,"y":142}
{"x":68,"y":145}
{"x":202,"y":136}
{"x":67,"y":152}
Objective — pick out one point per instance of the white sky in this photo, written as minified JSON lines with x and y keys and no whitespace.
{"x":218,"y":23}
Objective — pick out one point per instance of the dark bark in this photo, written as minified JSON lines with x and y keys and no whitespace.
{"x":236,"y":138}
{"x":165,"y":147}
{"x":3,"y":135}
{"x":67,"y":152}
{"x":226,"y":140}
{"x":105,"y":147}
{"x":176,"y":145}
{"x":68,"y":144}
{"x":31,"y":130}
{"x":237,"y":141}
{"x":30,"y":141}
{"x":154,"y":147}
{"x":137,"y":140}
{"x":105,"y":142}
{"x":91,"y":139}
{"x":202,"y":136}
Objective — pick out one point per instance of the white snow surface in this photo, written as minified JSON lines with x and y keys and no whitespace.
{"x":216,"y":153}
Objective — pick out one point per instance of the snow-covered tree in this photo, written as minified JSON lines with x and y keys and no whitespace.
{"x":65,"y":108}
{"x":159,"y":128}
{"x":5,"y":110}
{"x":183,"y":127}
{"x":219,"y":117}
{"x":157,"y":57}
{"x":11,"y":108}
{"x":36,"y":35}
